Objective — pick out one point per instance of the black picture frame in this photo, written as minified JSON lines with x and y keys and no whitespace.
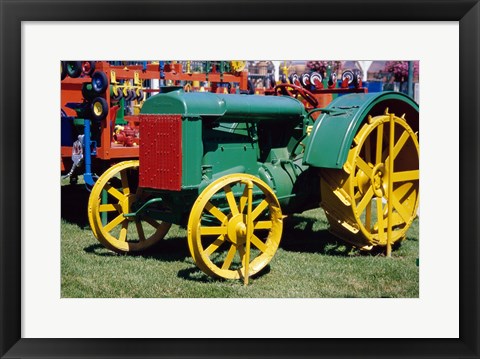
{"x":13,"y":12}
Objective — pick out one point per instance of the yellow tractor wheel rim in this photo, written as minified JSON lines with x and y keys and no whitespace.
{"x":355,"y":199}
{"x":218,"y":222}
{"x":119,"y":233}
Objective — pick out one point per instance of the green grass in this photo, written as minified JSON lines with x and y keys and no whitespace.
{"x":310,"y":263}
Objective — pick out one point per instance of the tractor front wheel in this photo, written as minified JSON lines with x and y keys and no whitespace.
{"x":110,"y":200}
{"x":235,"y":227}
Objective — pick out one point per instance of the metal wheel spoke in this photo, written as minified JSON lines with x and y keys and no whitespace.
{"x":257,"y":242}
{"x":215,"y":245}
{"x":114,"y":192}
{"x":123,"y":232}
{"x":396,"y":221}
{"x":125,"y":186}
{"x":152,"y":222}
{"x":115,"y":222}
{"x":229,"y":258}
{"x":109,"y":208}
{"x":364,"y":166}
{"x":365,"y":200}
{"x":399,"y":145}
{"x":231,"y":200}
{"x":263,"y":225}
{"x":378,"y":155}
{"x":215,"y":211}
{"x":402,"y":211}
{"x":357,"y":195}
{"x":210,"y":231}
{"x":259,"y":209}
{"x":141,"y":233}
{"x":405,"y":176}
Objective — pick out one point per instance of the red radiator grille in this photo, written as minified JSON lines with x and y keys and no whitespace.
{"x":161,"y":152}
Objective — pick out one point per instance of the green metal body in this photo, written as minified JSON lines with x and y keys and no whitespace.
{"x":260,"y":135}
{"x":225,"y":108}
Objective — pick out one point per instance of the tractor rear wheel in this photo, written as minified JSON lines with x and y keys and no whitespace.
{"x":235,"y":227}
{"x":355,"y":198}
{"x":111,"y":198}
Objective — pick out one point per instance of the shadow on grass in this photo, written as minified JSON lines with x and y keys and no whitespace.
{"x":170,"y":250}
{"x":299,"y":235}
{"x":74,"y":204}
{"x":195,"y":274}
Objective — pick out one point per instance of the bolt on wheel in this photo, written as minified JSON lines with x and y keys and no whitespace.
{"x":111,"y":198}
{"x":356,"y":198}
{"x":234,"y":233}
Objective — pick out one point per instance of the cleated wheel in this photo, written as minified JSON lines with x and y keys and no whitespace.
{"x":356,"y":198}
{"x":225,"y":220}
{"x":111,"y":198}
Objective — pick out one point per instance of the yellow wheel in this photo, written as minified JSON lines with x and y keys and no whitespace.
{"x":238,"y":66}
{"x":235,"y":227}
{"x":356,"y":198}
{"x":97,"y":109}
{"x":111,"y":198}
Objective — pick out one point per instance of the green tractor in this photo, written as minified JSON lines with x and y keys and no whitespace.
{"x":230,"y":168}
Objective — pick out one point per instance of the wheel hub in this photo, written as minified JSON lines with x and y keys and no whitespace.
{"x":237,"y":229}
{"x":379,"y":180}
{"x":363,"y":182}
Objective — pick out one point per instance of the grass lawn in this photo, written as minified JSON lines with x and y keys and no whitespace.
{"x":310,"y":263}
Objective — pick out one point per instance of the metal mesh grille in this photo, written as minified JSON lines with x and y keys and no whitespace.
{"x":161,"y":152}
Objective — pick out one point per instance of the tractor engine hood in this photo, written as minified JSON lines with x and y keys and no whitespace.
{"x":225,"y":107}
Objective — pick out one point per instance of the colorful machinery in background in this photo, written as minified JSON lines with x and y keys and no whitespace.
{"x":324,"y":86}
{"x":100,"y":103}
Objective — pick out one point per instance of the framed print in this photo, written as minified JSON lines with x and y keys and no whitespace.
{"x":40,"y":319}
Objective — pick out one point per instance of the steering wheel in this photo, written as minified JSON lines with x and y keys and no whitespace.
{"x":307,"y":95}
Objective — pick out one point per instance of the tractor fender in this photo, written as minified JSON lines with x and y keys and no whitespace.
{"x":332,"y":134}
